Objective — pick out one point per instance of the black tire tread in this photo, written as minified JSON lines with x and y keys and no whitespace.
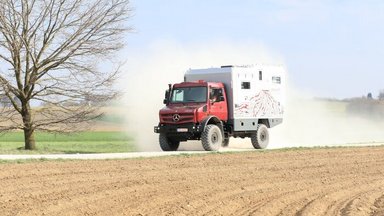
{"x":166,"y":144}
{"x":205,"y":139}
{"x":256,"y":142}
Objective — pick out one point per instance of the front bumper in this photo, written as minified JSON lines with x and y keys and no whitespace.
{"x":178,"y":128}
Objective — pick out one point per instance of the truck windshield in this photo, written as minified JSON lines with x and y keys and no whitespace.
{"x":189,"y":94}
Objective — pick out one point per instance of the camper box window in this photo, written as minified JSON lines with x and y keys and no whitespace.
{"x":245,"y":85}
{"x":276,"y":80}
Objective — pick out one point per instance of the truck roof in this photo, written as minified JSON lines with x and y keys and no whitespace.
{"x":240,"y":68}
{"x":198,"y":83}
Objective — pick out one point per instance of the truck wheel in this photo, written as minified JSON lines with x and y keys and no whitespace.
{"x":167,"y":144}
{"x":260,"y":138}
{"x":211,"y":138}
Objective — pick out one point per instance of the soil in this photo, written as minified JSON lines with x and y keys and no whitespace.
{"x":330,"y":181}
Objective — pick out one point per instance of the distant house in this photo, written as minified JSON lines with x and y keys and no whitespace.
{"x":381,"y":95}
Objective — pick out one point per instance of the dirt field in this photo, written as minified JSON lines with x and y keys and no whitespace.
{"x":336,"y":181}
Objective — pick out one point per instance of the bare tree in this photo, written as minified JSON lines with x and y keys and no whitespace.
{"x":51,"y":53}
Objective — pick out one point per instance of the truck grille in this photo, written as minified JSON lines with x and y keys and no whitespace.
{"x":181,"y":118}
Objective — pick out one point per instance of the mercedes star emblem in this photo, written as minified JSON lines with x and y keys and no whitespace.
{"x":176,"y":117}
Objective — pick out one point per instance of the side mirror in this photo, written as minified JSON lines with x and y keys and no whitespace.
{"x":166,"y":97}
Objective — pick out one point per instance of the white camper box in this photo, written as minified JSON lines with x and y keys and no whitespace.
{"x":253,"y":92}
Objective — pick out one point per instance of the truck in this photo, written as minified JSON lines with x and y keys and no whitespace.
{"x":214,"y":104}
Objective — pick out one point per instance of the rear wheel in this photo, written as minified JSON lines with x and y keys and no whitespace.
{"x":260,"y":138}
{"x":167,"y":144}
{"x":211,"y":138}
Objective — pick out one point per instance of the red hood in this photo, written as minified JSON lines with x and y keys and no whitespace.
{"x":185,"y":113}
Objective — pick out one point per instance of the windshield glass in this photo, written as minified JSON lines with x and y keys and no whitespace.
{"x":189,"y":94}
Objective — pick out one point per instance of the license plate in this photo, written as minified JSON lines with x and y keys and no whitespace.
{"x":182,"y":129}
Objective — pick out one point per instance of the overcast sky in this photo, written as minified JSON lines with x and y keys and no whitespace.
{"x":330,"y":48}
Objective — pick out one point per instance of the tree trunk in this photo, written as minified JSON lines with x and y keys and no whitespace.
{"x":29,"y":137}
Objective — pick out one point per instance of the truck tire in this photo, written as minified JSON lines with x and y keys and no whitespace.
{"x":212,"y":138}
{"x":260,"y":138}
{"x":167,"y":144}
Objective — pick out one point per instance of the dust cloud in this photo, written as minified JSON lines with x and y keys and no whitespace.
{"x":310,"y":122}
{"x":307,"y":122}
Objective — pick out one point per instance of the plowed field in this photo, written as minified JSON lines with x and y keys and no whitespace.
{"x":331,"y":181}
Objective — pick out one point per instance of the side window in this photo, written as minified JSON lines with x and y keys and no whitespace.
{"x":276,"y":80}
{"x":215,"y":94}
{"x":245,"y":85}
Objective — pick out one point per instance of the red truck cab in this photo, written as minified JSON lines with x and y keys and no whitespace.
{"x":190,"y":107}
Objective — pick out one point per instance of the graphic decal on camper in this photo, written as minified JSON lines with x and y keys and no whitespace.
{"x":262,"y":104}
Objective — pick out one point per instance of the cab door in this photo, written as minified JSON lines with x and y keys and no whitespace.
{"x":218,"y":104}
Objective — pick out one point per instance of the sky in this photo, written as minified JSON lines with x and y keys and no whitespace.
{"x":331,"y":48}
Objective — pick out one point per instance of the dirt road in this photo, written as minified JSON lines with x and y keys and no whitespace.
{"x":334,"y":181}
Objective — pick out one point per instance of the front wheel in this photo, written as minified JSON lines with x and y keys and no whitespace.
{"x":211,"y":138}
{"x":167,"y":144}
{"x":260,"y":138}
